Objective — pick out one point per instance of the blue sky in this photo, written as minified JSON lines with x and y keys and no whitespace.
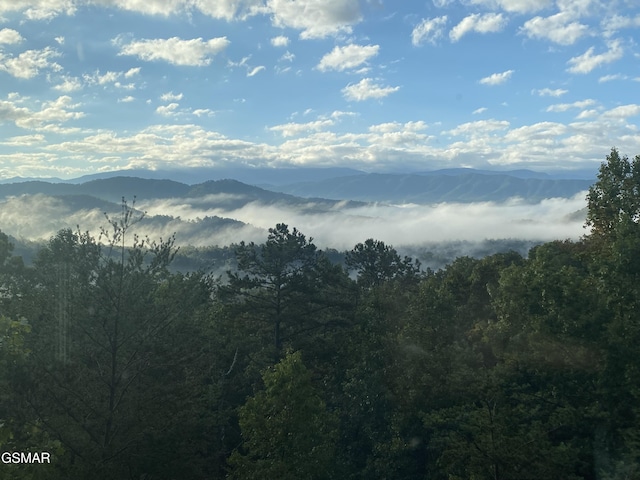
{"x":98,"y":85}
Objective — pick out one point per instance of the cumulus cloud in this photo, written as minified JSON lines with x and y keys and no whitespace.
{"x":479,"y":110}
{"x":563,"y":107}
{"x":29,"y":64}
{"x":229,"y":9}
{"x":515,"y":6}
{"x":476,"y":22}
{"x":24,"y":140}
{"x":366,"y":89}
{"x":49,"y":118}
{"x":294,"y":129}
{"x":623,"y":112}
{"x":39,"y":9}
{"x":167,"y":110}
{"x":610,"y":78}
{"x":9,"y":36}
{"x":543,"y":145}
{"x":612,"y":24}
{"x":557,"y":28}
{"x":316,"y":18}
{"x":347,"y":57}
{"x":195,"y":52}
{"x":548,"y":92}
{"x":497,"y":78}
{"x":201,"y":112}
{"x":171,"y":97}
{"x":132,"y":72}
{"x":478,"y":128}
{"x":69,"y":84}
{"x":428,"y":30}
{"x":280,"y":41}
{"x":127,"y":99}
{"x":587,"y":62}
{"x":96,"y":78}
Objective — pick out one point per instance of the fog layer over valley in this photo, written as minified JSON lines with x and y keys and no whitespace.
{"x":402,"y":225}
{"x":449,"y":229}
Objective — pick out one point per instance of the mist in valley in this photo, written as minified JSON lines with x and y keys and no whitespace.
{"x":448,"y":229}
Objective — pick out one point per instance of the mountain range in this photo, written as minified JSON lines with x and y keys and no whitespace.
{"x":271,"y":185}
{"x":338,"y":211}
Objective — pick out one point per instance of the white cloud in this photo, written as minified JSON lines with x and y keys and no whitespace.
{"x":287,"y":57}
{"x":481,"y":23}
{"x":478,"y":128}
{"x":428,"y":30}
{"x":49,"y":118}
{"x":339,"y":113}
{"x":622,"y":112}
{"x":171,"y":97}
{"x":147,"y":7}
{"x":347,"y":57}
{"x":126,"y":99}
{"x":515,"y":6}
{"x":39,"y":9}
{"x":316,"y":18}
{"x":101,"y":79}
{"x":230,"y":9}
{"x":547,"y":92}
{"x":256,"y":70}
{"x":589,"y":113}
{"x":69,"y":84}
{"x":167,"y":110}
{"x":557,"y":28}
{"x":9,"y":36}
{"x":59,"y":40}
{"x":295,"y":129}
{"x":366,"y":89}
{"x":200,"y":112}
{"x":28,"y":64}
{"x":397,"y":127}
{"x":194,"y":52}
{"x":611,"y":25}
{"x":280,"y":41}
{"x":609,"y":78}
{"x":132,"y":72}
{"x":479,"y":110}
{"x":587,"y":62}
{"x":563,"y":107}
{"x":497,"y":78}
{"x":24,"y":140}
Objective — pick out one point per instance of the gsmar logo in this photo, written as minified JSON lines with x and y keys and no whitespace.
{"x":26,"y":457}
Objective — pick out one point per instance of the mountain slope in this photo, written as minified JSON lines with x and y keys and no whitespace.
{"x":436,"y":188}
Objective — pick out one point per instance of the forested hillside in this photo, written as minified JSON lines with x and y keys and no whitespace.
{"x":295,"y":367}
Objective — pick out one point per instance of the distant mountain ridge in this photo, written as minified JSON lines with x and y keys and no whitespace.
{"x":437,"y":188}
{"x":232,"y":193}
{"x":450,"y":185}
{"x":267,"y":177}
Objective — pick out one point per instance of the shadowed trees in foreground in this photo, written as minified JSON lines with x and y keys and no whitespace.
{"x":503,"y":367}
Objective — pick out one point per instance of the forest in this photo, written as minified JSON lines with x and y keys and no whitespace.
{"x":294,"y":366}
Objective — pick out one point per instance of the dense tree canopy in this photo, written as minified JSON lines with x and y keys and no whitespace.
{"x":499,"y":368}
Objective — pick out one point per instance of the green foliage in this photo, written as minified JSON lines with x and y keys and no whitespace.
{"x":288,"y":432}
{"x":499,"y":368}
{"x":375,"y":263}
{"x":287,"y":290}
{"x":615,"y":198}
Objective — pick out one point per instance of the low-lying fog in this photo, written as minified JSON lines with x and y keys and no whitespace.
{"x":39,"y":217}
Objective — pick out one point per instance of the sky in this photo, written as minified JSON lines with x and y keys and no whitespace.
{"x":88,"y":86}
